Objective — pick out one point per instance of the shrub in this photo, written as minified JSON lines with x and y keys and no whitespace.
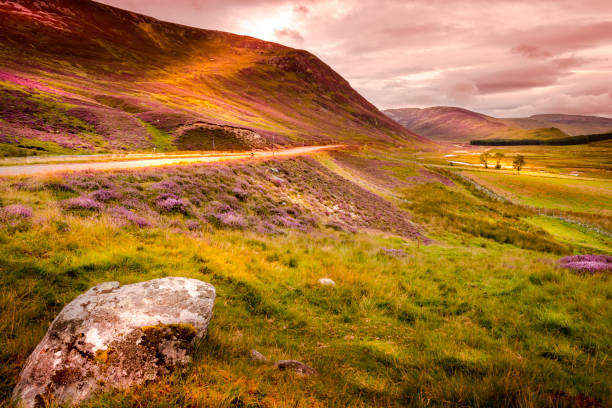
{"x":105,"y":195}
{"x":59,"y":186}
{"x":230,"y":219}
{"x":171,"y":204}
{"x":193,"y":225}
{"x":240,"y":193}
{"x":15,"y":214}
{"x":124,"y":213}
{"x":81,"y":203}
{"x":17,"y":211}
{"x":587,"y":263}
{"x":166,"y":185}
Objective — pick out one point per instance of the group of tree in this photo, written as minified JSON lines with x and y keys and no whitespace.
{"x":518,"y":163}
{"x":561,"y":141}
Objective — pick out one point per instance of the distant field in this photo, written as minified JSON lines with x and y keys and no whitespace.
{"x":589,"y":160}
{"x":572,"y":233}
{"x":591,"y":196}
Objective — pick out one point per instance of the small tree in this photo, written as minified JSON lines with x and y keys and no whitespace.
{"x":484,"y":158}
{"x":498,"y":156}
{"x":518,"y":163}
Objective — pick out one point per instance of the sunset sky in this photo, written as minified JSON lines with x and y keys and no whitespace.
{"x":503,"y":58}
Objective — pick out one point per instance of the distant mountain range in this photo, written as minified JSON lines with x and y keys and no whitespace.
{"x":79,"y":76}
{"x":451,"y":124}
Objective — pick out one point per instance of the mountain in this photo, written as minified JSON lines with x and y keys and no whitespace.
{"x":448,"y":124}
{"x":79,"y":76}
{"x":451,"y":124}
{"x":573,"y":125}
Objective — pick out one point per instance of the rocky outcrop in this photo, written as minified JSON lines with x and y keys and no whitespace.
{"x":243,"y":138}
{"x":116,"y":336}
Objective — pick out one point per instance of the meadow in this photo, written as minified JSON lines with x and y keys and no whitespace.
{"x":591,"y":160}
{"x":444,"y":297}
{"x":591,"y":196}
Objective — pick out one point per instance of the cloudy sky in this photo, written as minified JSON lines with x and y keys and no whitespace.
{"x":501,"y":57}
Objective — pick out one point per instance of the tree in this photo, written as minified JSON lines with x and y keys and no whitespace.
{"x":518,"y":163}
{"x":484,"y":158}
{"x":498,"y":156}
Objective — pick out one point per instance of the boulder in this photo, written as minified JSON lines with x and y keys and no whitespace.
{"x":113,"y":337}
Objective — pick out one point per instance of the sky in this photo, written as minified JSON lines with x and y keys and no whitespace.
{"x":505,"y":58}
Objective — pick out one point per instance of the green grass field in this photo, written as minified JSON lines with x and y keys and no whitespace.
{"x":592,"y":160}
{"x":594,"y":196}
{"x":482,"y":316}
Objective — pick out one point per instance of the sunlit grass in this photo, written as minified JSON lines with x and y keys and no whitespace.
{"x":494,"y":325}
{"x":549,"y":192}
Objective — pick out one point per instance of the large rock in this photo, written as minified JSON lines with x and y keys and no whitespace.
{"x":114,"y":337}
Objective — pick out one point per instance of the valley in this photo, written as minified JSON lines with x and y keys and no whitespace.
{"x":282,"y":241}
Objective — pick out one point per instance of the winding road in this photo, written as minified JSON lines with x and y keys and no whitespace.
{"x":152,"y":160}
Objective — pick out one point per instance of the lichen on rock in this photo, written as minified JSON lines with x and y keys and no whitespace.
{"x":113,"y":337}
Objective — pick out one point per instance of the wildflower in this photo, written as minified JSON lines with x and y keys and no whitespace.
{"x":587,"y":263}
{"x":81,"y":203}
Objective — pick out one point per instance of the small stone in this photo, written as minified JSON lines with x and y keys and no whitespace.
{"x":257,"y":356}
{"x":297,"y":367}
{"x":277,"y":180}
{"x":394,"y":253}
{"x":326,"y":282}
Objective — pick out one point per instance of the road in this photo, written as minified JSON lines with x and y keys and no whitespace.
{"x":156,"y":161}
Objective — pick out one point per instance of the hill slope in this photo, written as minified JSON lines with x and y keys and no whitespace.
{"x":81,"y":76}
{"x":573,"y":125}
{"x":451,"y":124}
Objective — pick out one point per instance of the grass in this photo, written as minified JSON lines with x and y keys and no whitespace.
{"x":594,"y":196}
{"x":573,"y":233}
{"x":588,"y":160}
{"x":481,"y":317}
{"x":394,"y":331}
{"x":163,"y":141}
{"x":33,"y":147}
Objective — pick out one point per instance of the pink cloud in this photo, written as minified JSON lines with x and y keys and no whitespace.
{"x":292,"y":35}
{"x":531,"y":51}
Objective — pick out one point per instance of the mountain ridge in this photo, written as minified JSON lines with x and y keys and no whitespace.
{"x":454,"y":124}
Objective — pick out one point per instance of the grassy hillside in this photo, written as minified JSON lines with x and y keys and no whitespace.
{"x":78,"y":76}
{"x":469,"y":308}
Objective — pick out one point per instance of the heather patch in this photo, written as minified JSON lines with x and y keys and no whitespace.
{"x":169,"y":204}
{"x":229,"y":219}
{"x":123,"y":214}
{"x":193,"y":225}
{"x":15,"y":214}
{"x":238,"y":196}
{"x":587,"y":263}
{"x":81,"y":203}
{"x":105,"y":195}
